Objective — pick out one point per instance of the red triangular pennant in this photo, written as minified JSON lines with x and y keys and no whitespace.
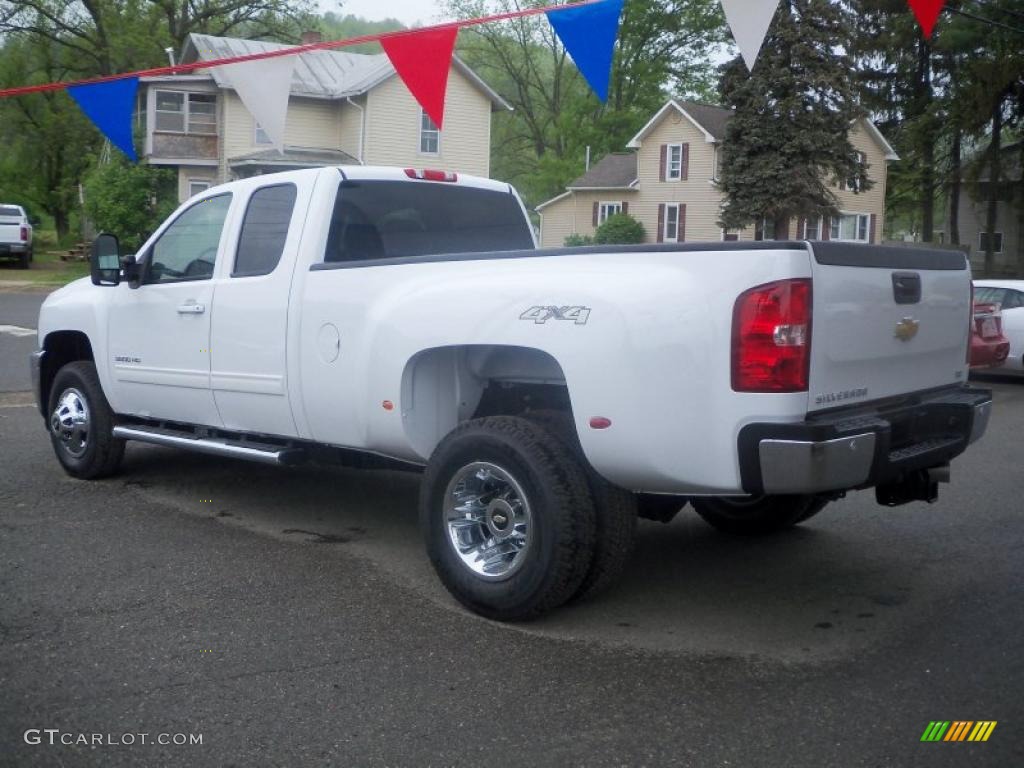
{"x":422,"y":60}
{"x":927,"y":12}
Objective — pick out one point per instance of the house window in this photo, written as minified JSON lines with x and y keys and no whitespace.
{"x":430,"y":135}
{"x":853,"y":184}
{"x":716,"y":159}
{"x":850,"y":226}
{"x":608,"y":209}
{"x":670,"y":233}
{"x":997,"y":242}
{"x":195,"y":186}
{"x":811,"y":229}
{"x":674,"y":164}
{"x":765,"y":229}
{"x":260,"y":137}
{"x":179,"y":112}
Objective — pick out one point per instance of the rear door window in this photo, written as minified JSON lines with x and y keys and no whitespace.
{"x":393,"y":219}
{"x":264,"y":230}
{"x":10,"y":211}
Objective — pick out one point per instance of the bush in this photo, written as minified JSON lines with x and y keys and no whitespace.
{"x":129,"y":200}
{"x":619,"y":229}
{"x":575,"y":239}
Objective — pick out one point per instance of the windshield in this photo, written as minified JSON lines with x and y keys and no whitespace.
{"x":7,"y":211}
{"x":387,"y":219}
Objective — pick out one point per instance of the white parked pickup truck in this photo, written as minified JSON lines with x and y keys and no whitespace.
{"x":406,"y":316}
{"x":15,"y":234}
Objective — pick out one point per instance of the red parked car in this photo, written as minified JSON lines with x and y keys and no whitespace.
{"x":989,"y":348}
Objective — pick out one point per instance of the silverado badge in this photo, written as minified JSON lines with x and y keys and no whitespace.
{"x":906,"y":329}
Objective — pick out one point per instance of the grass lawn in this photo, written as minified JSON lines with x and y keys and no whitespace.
{"x":46,"y":269}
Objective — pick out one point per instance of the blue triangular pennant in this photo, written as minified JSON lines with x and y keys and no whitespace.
{"x":588,"y":33}
{"x":110,"y":106}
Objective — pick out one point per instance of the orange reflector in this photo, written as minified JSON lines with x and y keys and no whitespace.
{"x":388,"y":405}
{"x":600,"y":422}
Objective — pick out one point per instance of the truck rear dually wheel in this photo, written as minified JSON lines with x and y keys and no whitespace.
{"x":81,"y":423}
{"x":757,"y":515}
{"x":507,"y":517}
{"x":615,"y":511}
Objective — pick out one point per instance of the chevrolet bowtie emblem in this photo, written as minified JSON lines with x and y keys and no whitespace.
{"x":906,"y":329}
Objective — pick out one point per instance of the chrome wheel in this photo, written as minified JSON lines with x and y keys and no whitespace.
{"x":70,"y":422}
{"x":488,"y":519}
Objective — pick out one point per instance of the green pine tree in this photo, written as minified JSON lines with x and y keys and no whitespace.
{"x":788,"y":140}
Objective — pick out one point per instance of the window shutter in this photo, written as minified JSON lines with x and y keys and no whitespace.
{"x":759,"y":229}
{"x":782,"y":229}
{"x":682,"y":222}
{"x":801,"y":228}
{"x":661,"y":219}
{"x":664,"y":162}
{"x":871,"y":227}
{"x":684,"y":154}
{"x":596,"y":212}
{"x":826,"y":228}
{"x":625,"y":207}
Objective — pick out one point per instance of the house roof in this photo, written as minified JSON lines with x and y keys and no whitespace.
{"x":294,"y":157}
{"x":713,"y":122}
{"x":614,"y":171}
{"x":318,"y":74}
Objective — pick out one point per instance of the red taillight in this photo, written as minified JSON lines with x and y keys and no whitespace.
{"x":771,"y":337}
{"x":24,"y":234}
{"x":431,"y":175}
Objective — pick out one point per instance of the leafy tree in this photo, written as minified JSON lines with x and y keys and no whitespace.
{"x":619,"y":228}
{"x":129,"y":200}
{"x":45,"y":138}
{"x":788,"y":137}
{"x":337,"y":27}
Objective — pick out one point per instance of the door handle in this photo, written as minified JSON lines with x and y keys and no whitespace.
{"x":191,"y":308}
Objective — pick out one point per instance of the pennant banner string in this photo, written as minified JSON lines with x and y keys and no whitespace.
{"x":179,"y":69}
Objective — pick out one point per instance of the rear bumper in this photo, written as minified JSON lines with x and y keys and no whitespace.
{"x":862,"y":448}
{"x":9,"y":248}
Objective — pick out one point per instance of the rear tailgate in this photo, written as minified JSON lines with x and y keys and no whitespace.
{"x":886,"y":321}
{"x":10,"y":225}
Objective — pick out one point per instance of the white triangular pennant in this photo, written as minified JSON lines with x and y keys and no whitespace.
{"x":749,"y":21}
{"x":263,"y":86}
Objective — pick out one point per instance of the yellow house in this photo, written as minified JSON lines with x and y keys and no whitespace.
{"x":668,"y":181}
{"x":344,"y":108}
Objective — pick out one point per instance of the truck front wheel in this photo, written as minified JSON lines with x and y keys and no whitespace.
{"x":508,"y":518}
{"x":81,"y":423}
{"x":757,"y":515}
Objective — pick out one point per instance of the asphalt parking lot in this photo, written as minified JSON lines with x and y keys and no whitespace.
{"x":291,"y":618}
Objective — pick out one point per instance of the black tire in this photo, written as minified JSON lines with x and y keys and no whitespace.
{"x":99,"y":454}
{"x":555,"y":561}
{"x":757,"y":516}
{"x":615,"y":511}
{"x":23,"y":260}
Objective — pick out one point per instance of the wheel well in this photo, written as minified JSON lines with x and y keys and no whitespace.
{"x":62,"y":347}
{"x":444,"y":386}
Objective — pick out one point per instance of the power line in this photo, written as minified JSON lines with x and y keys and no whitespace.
{"x":984,"y":20}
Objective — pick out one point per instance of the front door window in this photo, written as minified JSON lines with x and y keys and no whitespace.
{"x":187,"y":249}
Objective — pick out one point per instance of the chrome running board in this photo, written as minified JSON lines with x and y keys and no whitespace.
{"x":264,"y":453}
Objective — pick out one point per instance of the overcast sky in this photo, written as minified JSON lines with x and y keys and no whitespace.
{"x":407,"y":11}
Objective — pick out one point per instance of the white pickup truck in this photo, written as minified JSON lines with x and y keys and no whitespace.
{"x":550,"y":394}
{"x":15,"y":234}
